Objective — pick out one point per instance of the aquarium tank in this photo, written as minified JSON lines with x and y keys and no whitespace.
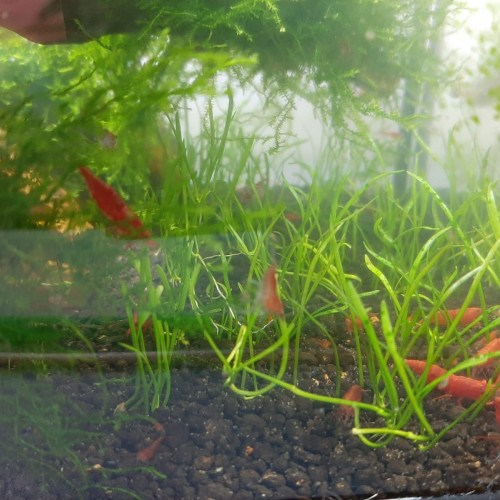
{"x":249,"y":249}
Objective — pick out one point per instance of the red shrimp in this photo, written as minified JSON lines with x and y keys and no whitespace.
{"x":158,"y":427}
{"x":290,"y":216}
{"x":114,"y":208}
{"x":470,"y":314}
{"x":347,"y":412}
{"x":146,"y":454}
{"x":269,"y":293}
{"x":456,"y":385}
{"x":349,"y":326}
{"x":147,"y":325}
{"x":492,"y":346}
{"x":325,"y":344}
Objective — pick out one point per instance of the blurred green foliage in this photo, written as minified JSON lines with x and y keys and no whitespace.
{"x":489,"y":66}
{"x":373,"y":43}
{"x":57,"y":103}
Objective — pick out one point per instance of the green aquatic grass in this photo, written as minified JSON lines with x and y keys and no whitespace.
{"x":154,"y":317}
{"x":344,"y":240}
{"x":415,"y":283}
{"x":408,"y":259}
{"x":221,"y":219}
{"x":418,"y":285}
{"x":46,"y":433}
{"x":350,"y":250}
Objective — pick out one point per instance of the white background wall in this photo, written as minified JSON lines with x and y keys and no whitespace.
{"x":464,"y":112}
{"x":467,"y":110}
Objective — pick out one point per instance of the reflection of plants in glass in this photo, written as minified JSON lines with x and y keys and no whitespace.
{"x":50,"y":436}
{"x":42,"y":431}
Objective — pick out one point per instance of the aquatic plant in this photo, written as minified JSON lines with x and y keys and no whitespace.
{"x":406,"y":270}
{"x":43,"y":430}
{"x":135,"y":87}
{"x":221,"y":222}
{"x":158,"y":312}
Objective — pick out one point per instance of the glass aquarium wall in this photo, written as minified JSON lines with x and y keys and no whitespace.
{"x":249,"y":249}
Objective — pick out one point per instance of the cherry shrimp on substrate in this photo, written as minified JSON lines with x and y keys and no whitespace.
{"x":470,"y":314}
{"x":492,"y":346}
{"x":456,"y":385}
{"x":448,"y":315}
{"x":146,"y":454}
{"x":346,"y":413}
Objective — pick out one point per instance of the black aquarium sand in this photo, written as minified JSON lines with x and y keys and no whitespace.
{"x":218,"y":445}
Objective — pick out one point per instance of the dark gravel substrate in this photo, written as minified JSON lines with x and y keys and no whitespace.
{"x":61,"y":437}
